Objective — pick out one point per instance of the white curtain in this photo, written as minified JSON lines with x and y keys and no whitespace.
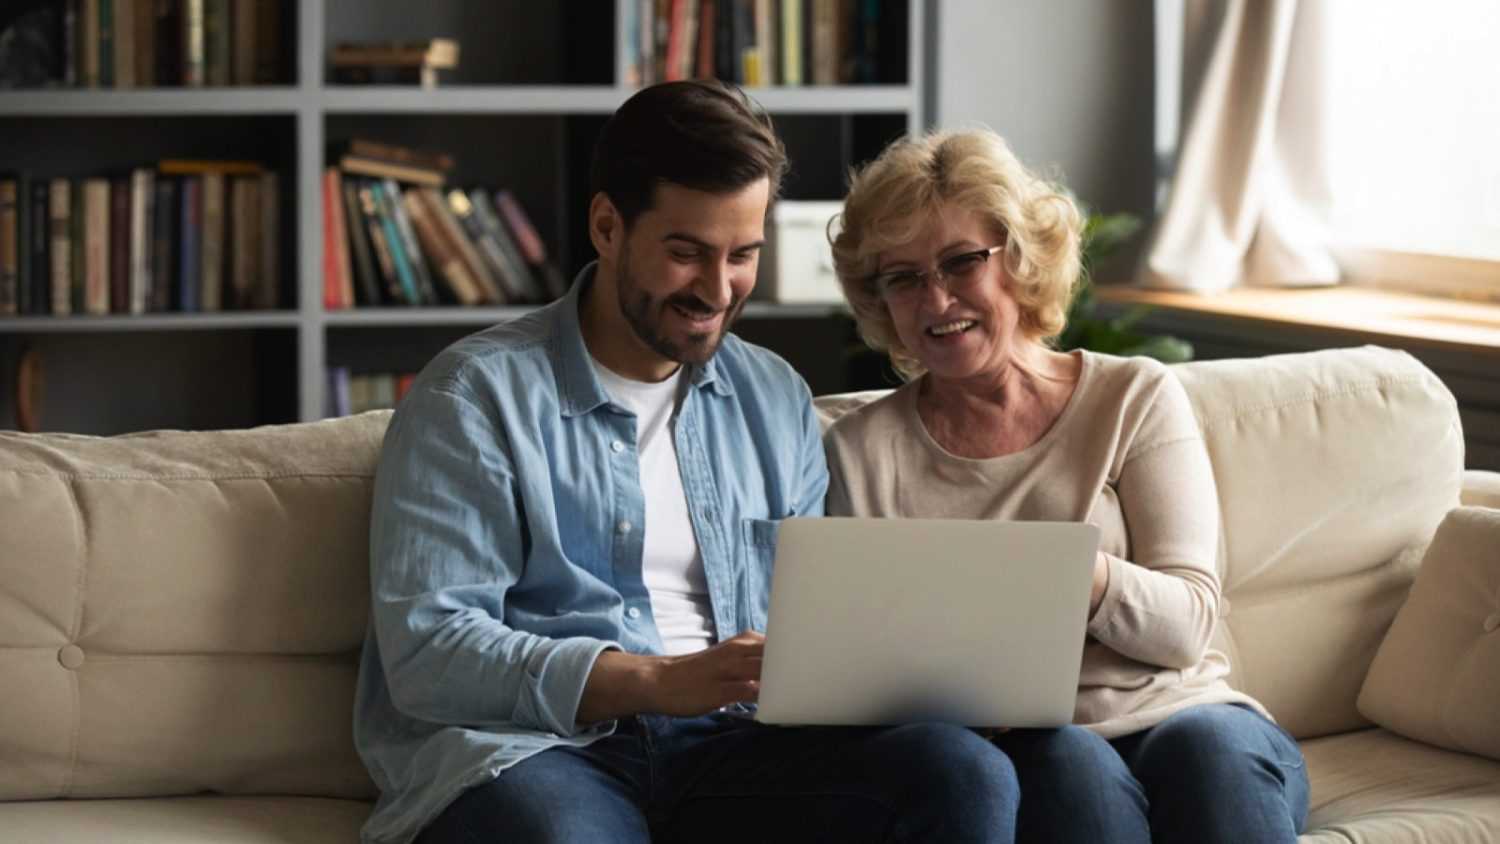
{"x":1249,"y":198}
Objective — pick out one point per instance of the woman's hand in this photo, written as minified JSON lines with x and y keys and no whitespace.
{"x":1101,"y":582}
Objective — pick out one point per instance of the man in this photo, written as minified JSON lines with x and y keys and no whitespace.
{"x":571,"y":548}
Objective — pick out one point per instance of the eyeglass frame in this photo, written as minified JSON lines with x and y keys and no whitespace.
{"x":879,"y":281}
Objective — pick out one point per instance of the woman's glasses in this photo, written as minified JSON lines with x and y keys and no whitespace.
{"x":954,"y":272}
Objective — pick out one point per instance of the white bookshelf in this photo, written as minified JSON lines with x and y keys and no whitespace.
{"x":310,"y":104}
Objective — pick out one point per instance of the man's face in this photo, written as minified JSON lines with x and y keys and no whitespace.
{"x":686,"y":266}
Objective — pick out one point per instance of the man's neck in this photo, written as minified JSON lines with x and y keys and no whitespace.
{"x":610,"y":339}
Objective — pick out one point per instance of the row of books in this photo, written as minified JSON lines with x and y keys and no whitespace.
{"x":765,"y":42}
{"x":394,"y":242}
{"x":348,"y":393}
{"x":187,"y":236}
{"x":145,"y":43}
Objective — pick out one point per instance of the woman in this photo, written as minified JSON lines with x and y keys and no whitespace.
{"x":959,"y":263}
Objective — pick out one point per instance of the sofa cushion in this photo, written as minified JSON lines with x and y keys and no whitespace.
{"x":1375,"y":787}
{"x":1436,"y":677}
{"x":184,"y":610}
{"x":1333,"y":470}
{"x":185,"y":820}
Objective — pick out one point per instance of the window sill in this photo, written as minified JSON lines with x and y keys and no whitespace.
{"x":1380,"y":316}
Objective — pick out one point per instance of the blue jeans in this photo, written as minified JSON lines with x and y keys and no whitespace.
{"x":725,"y":779}
{"x":1213,"y":773}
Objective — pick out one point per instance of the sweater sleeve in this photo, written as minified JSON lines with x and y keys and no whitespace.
{"x":1161,"y":607}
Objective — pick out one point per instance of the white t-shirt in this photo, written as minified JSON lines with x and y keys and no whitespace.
{"x":671,"y":565}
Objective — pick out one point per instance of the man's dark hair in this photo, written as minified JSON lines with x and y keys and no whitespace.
{"x":699,"y":134}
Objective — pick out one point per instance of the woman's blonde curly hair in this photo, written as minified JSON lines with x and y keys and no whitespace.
{"x":895,"y":196}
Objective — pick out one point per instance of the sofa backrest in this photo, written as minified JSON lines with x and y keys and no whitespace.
{"x":1334,"y":469}
{"x":183,"y":612}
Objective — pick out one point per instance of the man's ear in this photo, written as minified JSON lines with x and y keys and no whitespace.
{"x":606,"y":226}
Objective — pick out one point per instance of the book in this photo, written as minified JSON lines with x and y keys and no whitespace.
{"x":164,"y":229}
{"x":190,"y":243}
{"x":791,"y":42}
{"x":24,"y":286}
{"x":211,"y":248}
{"x":336,"y":402}
{"x":60,"y":261}
{"x":384,"y":260}
{"x":96,"y":246}
{"x":426,"y":290}
{"x":533,"y":250}
{"x":10,"y":264}
{"x":335,"y":255}
{"x":436,"y":53}
{"x":119,"y":245}
{"x":39,"y":247}
{"x":244,"y":252}
{"x":512,"y":283}
{"x":394,"y":154}
{"x":534,"y":289}
{"x":168,"y":46}
{"x":244,"y":38}
{"x":367,"y":281}
{"x":362,"y":166}
{"x":268,"y":38}
{"x":78,"y":248}
{"x":410,"y":293}
{"x":216,"y":43}
{"x":194,"y":71}
{"x":269,"y":285}
{"x":142,"y":194}
{"x":107,"y":43}
{"x":478,"y":268}
{"x":198,"y":167}
{"x":124,"y":43}
{"x":144,"y":32}
{"x":72,"y":63}
{"x":88,"y":43}
{"x":441,"y":253}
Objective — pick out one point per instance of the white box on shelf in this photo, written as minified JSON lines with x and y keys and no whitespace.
{"x":798,"y":265}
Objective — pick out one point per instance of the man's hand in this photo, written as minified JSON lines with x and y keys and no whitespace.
{"x":692,"y":684}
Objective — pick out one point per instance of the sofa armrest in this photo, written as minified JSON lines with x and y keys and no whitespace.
{"x":1481,"y":489}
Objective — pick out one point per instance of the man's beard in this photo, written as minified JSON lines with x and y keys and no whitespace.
{"x":644,"y":313}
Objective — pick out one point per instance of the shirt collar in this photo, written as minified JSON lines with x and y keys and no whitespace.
{"x":578,"y":388}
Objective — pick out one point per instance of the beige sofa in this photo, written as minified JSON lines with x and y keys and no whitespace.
{"x":180,"y":612}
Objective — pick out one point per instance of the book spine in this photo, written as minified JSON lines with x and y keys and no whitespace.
{"x":96,"y":235}
{"x":489,"y":288}
{"x":124,"y":43}
{"x":426,"y":291}
{"x":533,"y":250}
{"x":244,"y":37}
{"x":534,"y":290}
{"x":409,"y":292}
{"x":60,"y":211}
{"x":703,"y":66}
{"x":244,"y":255}
{"x":39,"y":236}
{"x":142,"y":192}
{"x":163,"y":231}
{"x":370,"y":212}
{"x":72,"y":61}
{"x":216,"y":42}
{"x":270,"y":242}
{"x":119,"y":245}
{"x":367,"y":283}
{"x":88,"y":43}
{"x":511,"y":285}
{"x":194,"y":44}
{"x":78,"y":263}
{"x":336,"y":285}
{"x":791,"y":42}
{"x":268,"y":38}
{"x":443,"y":255}
{"x":106,"y":43}
{"x":145,"y":42}
{"x":190,"y":256}
{"x":24,"y":286}
{"x":10,"y":267}
{"x":169,"y":42}
{"x":211,"y":263}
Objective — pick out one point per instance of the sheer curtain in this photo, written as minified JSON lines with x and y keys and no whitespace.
{"x":1249,"y":197}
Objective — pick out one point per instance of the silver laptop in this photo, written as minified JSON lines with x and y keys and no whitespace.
{"x":891,"y":621}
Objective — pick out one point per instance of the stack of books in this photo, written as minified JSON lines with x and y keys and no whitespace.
{"x":187,"y":236}
{"x":148,"y":43}
{"x":394,"y":62}
{"x":395,"y":234}
{"x":765,"y":42}
{"x":349,"y":394}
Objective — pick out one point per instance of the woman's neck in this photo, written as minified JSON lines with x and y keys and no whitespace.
{"x":1001,"y":412}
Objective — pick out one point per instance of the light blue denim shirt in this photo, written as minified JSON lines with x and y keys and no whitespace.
{"x":505,"y":545}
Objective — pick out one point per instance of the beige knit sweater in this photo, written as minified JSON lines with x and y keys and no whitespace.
{"x":1126,"y":456}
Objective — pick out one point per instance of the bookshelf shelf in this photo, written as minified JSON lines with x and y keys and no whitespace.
{"x":594,"y":99}
{"x":423,"y":316}
{"x":164,"y":102}
{"x":149,"y":322}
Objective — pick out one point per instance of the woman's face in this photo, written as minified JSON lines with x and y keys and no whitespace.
{"x":965,"y":326}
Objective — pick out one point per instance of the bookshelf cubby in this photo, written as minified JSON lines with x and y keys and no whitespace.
{"x":535,"y":82}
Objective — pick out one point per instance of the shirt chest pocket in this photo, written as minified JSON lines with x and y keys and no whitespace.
{"x":757,"y":550}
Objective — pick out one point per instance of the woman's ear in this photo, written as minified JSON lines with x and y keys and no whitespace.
{"x":606,"y":227}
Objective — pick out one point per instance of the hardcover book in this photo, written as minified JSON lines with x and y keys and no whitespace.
{"x":60,"y":211}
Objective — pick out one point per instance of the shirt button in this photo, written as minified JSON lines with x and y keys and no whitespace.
{"x":633,"y":612}
{"x":623,"y":528}
{"x":617,"y":446}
